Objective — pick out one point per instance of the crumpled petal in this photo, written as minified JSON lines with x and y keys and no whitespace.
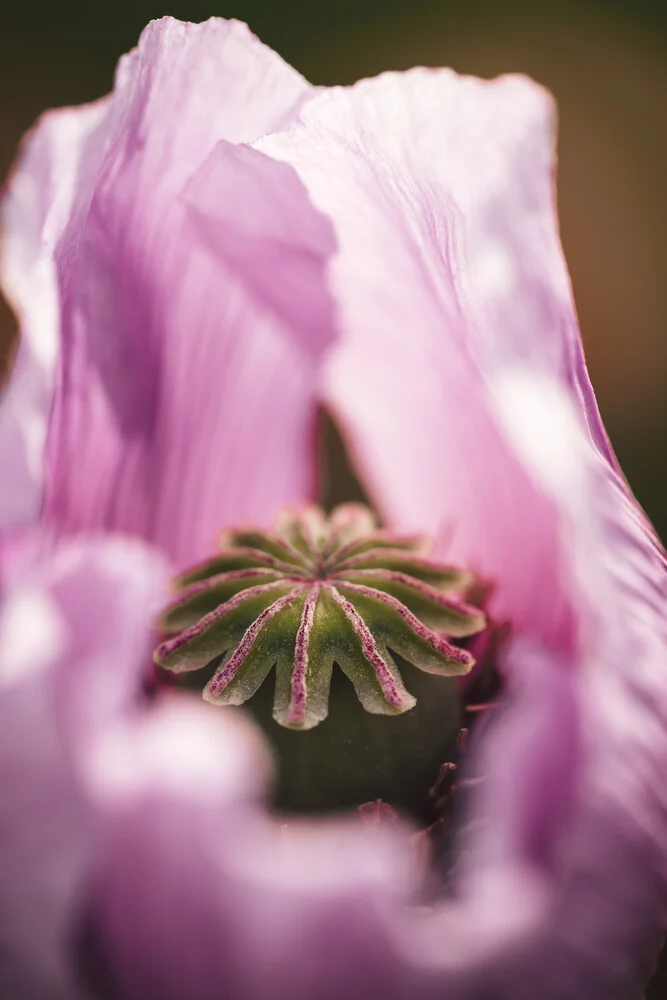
{"x":434,"y":302}
{"x":461,"y":386}
{"x":586,"y":741}
{"x":43,"y":193}
{"x":177,"y":386}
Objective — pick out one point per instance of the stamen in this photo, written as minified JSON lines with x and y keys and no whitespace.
{"x":444,"y":781}
{"x":377,"y":813}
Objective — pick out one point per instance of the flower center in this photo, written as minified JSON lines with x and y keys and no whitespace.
{"x":319,"y":590}
{"x":328,"y":600}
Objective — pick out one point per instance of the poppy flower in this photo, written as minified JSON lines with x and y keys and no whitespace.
{"x":199,"y":262}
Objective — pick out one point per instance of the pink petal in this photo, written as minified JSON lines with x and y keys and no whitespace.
{"x":418,"y":173}
{"x":461,"y":385}
{"x":132,"y":848}
{"x":194,"y":895}
{"x":182,"y":886}
{"x":42,"y":196}
{"x":73,"y":639}
{"x":184,"y":383}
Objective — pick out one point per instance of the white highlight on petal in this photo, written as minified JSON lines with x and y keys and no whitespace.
{"x":492,"y":270}
{"x":180,"y":748}
{"x":538,"y":416}
{"x":32,"y":635}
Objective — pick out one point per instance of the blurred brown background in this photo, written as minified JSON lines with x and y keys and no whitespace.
{"x":606,"y":62}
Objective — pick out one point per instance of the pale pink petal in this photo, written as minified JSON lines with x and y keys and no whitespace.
{"x":419,"y":277}
{"x":574,"y":767}
{"x":43,"y":195}
{"x":184,"y":395}
{"x":195,"y":895}
{"x":461,"y":385}
{"x":134,"y":858}
{"x":73,"y":642}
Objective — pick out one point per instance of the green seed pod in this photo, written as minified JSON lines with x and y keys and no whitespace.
{"x":318,"y":591}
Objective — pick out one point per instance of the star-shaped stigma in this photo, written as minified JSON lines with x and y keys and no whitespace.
{"x":318,"y":590}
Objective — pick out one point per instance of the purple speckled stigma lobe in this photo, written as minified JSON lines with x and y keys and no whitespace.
{"x":165,"y":649}
{"x":459,"y":578}
{"x":222,"y":679}
{"x":243,"y":555}
{"x":203,"y":586}
{"x":434,"y":639}
{"x":313,"y":555}
{"x":385,"y":678}
{"x":297,"y":706}
{"x":378,"y":540}
{"x":274,"y":545}
{"x":430,"y":593}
